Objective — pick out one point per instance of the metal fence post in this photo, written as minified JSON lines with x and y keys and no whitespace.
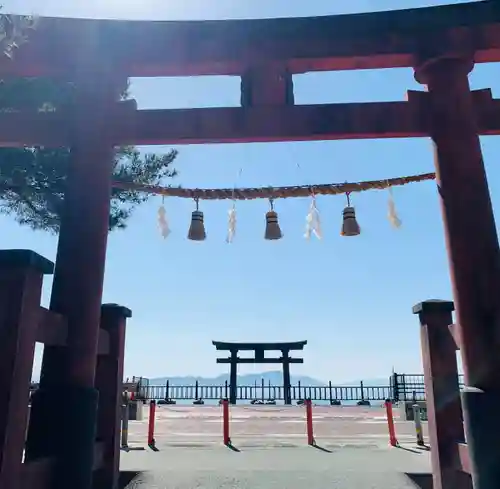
{"x":395,"y":387}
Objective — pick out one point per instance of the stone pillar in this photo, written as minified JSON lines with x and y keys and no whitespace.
{"x":444,"y":409}
{"x":473,"y":250}
{"x":64,"y":409}
{"x":287,"y":387}
{"x":233,"y":377}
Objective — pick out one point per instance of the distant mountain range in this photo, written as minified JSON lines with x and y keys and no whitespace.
{"x":270,"y":377}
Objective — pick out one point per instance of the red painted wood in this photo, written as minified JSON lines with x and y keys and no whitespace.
{"x":20,"y":292}
{"x":444,"y":410}
{"x":109,"y":382}
{"x":79,"y":271}
{"x":341,"y":42}
{"x":471,"y":236}
{"x":464,"y":458}
{"x":238,"y":125}
{"x":37,"y":474}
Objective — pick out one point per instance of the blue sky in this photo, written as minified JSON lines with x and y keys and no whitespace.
{"x":351,"y":298}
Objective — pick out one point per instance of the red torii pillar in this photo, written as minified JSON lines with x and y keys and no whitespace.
{"x":64,"y":409}
{"x":473,"y":251}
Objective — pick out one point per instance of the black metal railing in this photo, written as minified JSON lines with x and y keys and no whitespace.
{"x":411,"y":387}
{"x":263,"y":392}
{"x":400,"y":387}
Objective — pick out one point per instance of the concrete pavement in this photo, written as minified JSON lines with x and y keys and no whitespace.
{"x":272,"y":450}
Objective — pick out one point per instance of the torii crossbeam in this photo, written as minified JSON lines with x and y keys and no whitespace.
{"x":259,"y":350}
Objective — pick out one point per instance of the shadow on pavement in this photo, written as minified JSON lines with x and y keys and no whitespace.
{"x":132,"y":449}
{"x":426,"y":448}
{"x":422,"y":481}
{"x":321,"y":449}
{"x":406,"y":449}
{"x":232,"y":447}
{"x":127,"y":477}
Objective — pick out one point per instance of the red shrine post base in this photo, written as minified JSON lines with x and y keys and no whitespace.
{"x":440,"y":43}
{"x":452,"y":458}
{"x":22,"y":323}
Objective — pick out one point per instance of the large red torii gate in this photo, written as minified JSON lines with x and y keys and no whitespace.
{"x":441,"y":44}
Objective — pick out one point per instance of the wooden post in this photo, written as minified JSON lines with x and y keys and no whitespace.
{"x":444,"y":411}
{"x":233,"y":377}
{"x":21,"y":277}
{"x":287,"y":385}
{"x":473,"y":251}
{"x":68,"y":372}
{"x":267,"y":86}
{"x":109,"y":383}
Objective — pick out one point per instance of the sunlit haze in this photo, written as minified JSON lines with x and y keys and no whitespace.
{"x":351,"y":298}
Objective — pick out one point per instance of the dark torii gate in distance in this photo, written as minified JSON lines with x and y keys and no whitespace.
{"x":259,"y":350}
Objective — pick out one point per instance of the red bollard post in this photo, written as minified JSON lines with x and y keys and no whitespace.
{"x":151,"y":426}
{"x":225,"y":422}
{"x":390,"y":423}
{"x":309,"y":422}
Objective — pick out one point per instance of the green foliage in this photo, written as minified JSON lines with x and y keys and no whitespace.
{"x":32,"y":180}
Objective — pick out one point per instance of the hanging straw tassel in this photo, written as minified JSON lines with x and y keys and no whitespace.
{"x":392,"y":213}
{"x":231,"y":226}
{"x":197,"y":227}
{"x":350,"y":226}
{"x":273,"y":230}
{"x":313,"y":224}
{"x":162,"y":221}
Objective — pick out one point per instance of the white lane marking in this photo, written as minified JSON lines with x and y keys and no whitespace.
{"x":201,"y":435}
{"x":288,"y":435}
{"x":299,"y":421}
{"x":220,"y":421}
